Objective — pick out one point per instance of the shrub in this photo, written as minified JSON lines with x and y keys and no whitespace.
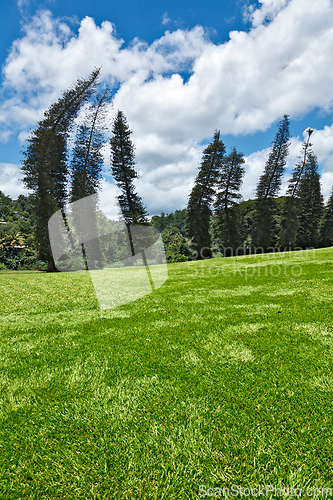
{"x":180,"y":258}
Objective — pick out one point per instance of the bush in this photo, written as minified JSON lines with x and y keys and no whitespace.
{"x":2,"y":267}
{"x":20,"y":259}
{"x":180,"y":258}
{"x":38,"y":266}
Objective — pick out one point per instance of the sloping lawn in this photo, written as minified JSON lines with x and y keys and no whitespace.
{"x":221,"y":377}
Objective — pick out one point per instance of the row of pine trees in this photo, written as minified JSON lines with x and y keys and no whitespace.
{"x":304,"y":221}
{"x":64,"y":163}
{"x":64,"y":159}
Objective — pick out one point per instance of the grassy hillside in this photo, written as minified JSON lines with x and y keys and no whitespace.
{"x":221,"y":377}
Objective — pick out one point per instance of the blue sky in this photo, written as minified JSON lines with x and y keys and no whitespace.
{"x":179,"y":70}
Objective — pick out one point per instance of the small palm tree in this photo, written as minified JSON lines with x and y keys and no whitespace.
{"x":10,"y":238}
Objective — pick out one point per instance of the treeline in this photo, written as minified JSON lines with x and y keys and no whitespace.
{"x":217,"y":221}
{"x":64,"y":161}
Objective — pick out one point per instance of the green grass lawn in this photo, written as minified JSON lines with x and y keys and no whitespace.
{"x":220,"y":377}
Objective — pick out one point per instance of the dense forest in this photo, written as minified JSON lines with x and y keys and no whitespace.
{"x":18,"y":249}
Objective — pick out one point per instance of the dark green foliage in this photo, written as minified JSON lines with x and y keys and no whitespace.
{"x":172,"y":228}
{"x":5,"y":207}
{"x":18,"y":214}
{"x":201,"y":198}
{"x":177,"y":219}
{"x":229,"y":185}
{"x":123,"y":172}
{"x":246,"y":220}
{"x":289,"y":223}
{"x":16,"y":230}
{"x":20,"y":259}
{"x":326,"y":229}
{"x":270,"y":181}
{"x":175,"y":245}
{"x":263,"y":223}
{"x":311,"y":205}
{"x":289,"y":218}
{"x":45,"y":166}
{"x":269,"y":185}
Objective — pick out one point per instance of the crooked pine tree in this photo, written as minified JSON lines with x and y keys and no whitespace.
{"x":201,"y":198}
{"x":269,"y":185}
{"x":228,"y":196}
{"x":45,"y":166}
{"x":87,"y":158}
{"x":290,"y":209}
{"x":86,"y":169}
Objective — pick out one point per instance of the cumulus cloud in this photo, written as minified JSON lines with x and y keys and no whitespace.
{"x":10,"y":182}
{"x":281,"y":65}
{"x":49,"y":57}
{"x":268,"y":10}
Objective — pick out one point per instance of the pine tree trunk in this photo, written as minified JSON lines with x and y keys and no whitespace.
{"x":51,"y":267}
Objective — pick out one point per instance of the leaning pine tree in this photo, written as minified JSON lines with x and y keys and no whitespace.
{"x":199,"y":211}
{"x":269,"y":185}
{"x":87,"y":158}
{"x":229,"y":185}
{"x":86,"y":173}
{"x":45,"y":166}
{"x":290,"y":209}
{"x":123,"y":172}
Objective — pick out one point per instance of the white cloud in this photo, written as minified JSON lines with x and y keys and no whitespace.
{"x":282,"y":65}
{"x":322,"y":141}
{"x":240,"y":86}
{"x":327,"y":184}
{"x":50,"y":57}
{"x":165,"y":18}
{"x":108,"y":200}
{"x":9,"y":180}
{"x":254,"y":166}
{"x":268,"y":10}
{"x":22,"y":3}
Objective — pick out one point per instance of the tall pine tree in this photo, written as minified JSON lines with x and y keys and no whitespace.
{"x":311,"y":205}
{"x":202,"y":196}
{"x":229,"y":184}
{"x":269,"y":185}
{"x":290,"y":209}
{"x":123,"y":172}
{"x":45,"y":166}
